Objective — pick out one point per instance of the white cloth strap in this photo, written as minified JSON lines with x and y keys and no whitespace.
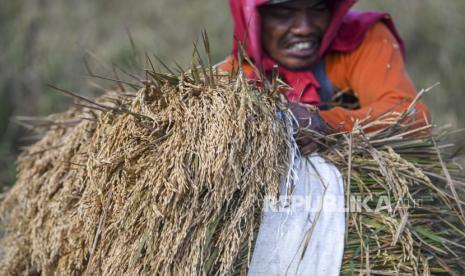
{"x":305,"y":237}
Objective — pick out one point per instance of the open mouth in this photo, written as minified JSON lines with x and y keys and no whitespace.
{"x":302,"y":48}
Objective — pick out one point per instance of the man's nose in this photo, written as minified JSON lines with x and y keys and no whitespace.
{"x":302,"y":24}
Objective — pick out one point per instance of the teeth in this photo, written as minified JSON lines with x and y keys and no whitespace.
{"x":301,"y":46}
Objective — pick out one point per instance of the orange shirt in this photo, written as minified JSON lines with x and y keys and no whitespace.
{"x":374,"y":73}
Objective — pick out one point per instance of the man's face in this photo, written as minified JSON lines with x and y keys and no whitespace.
{"x":292,"y":31}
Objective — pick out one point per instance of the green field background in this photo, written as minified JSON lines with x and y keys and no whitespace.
{"x":45,"y":41}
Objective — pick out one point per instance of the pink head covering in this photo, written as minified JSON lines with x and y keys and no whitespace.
{"x":345,"y":33}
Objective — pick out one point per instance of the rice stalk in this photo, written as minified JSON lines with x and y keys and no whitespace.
{"x":169,"y":180}
{"x":169,"y":177}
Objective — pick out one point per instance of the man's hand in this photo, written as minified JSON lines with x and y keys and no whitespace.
{"x":308,"y":119}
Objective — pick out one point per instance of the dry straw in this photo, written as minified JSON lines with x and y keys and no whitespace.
{"x":404,"y":197}
{"x":167,"y":180}
{"x":170,"y":179}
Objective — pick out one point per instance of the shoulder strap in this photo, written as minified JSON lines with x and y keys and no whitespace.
{"x":326,"y":87}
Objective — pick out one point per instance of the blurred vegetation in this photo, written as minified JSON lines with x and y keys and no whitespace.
{"x":45,"y":41}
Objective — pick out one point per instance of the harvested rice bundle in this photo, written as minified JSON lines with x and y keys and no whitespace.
{"x":169,"y":180}
{"x":404,"y":199}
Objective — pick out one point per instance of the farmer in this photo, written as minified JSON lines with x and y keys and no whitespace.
{"x":325,"y":53}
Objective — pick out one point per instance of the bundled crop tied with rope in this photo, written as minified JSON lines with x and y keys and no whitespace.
{"x":170,"y":178}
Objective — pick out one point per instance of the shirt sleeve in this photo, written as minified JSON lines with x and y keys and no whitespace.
{"x":230,"y":64}
{"x":375,"y":73}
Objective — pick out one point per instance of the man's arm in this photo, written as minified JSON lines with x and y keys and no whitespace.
{"x":376,"y":74}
